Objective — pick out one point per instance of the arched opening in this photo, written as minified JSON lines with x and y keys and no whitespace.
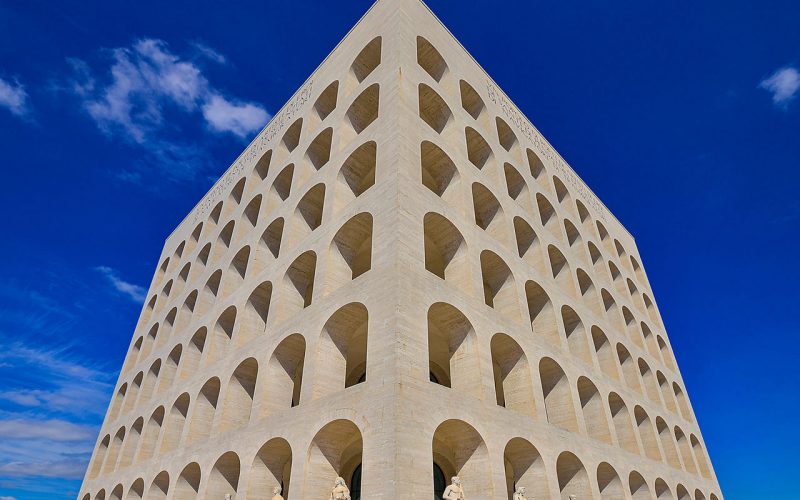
{"x":666,"y":392}
{"x":433,"y":109}
{"x":631,"y":327}
{"x":326,"y":102}
{"x":132,"y":394}
{"x":489,"y":214}
{"x":308,"y":214}
{"x":528,"y":244}
{"x":542,"y":314}
{"x":319,"y":151}
{"x":499,"y":287}
{"x":439,"y":173}
{"x":662,"y":490}
{"x":458,"y":450}
{"x":649,"y":340}
{"x":205,"y":406}
{"x":512,"y":378}
{"x":210,"y":291}
{"x":110,"y":464}
{"x":101,"y":495}
{"x":298,"y":285}
{"x":639,"y":488}
{"x":116,"y":493}
{"x":342,"y":350}
{"x":470,"y":100}
{"x":253,"y":211}
{"x":576,"y":334}
{"x":149,"y":384}
{"x":683,"y":493}
{"x":367,"y":60}
{"x":136,"y":491}
{"x":119,"y":398}
{"x":225,"y":238}
{"x":130,"y":444}
{"x":622,"y":423}
{"x":173,"y":427}
{"x":446,"y":251}
{"x":362,"y":112}
{"x":609,"y":483}
{"x":588,"y":291}
{"x":335,"y":451}
{"x":597,"y":260}
{"x":698,"y":495}
{"x":272,"y":467}
{"x":159,"y":487}
{"x":285,"y":374}
{"x":261,"y":170}
{"x":686,"y":451}
{"x":517,"y":187}
{"x":291,"y":138}
{"x":149,"y":342}
{"x":646,"y":433}
{"x":350,"y":251}
{"x":557,"y":396}
{"x":612,"y":310}
{"x":430,"y":59}
{"x":224,"y":477}
{"x":478,"y":150}
{"x":188,"y":485}
{"x":237,"y":270}
{"x":605,"y":353}
{"x":650,"y":386}
{"x":667,"y":443}
{"x":194,"y":352}
{"x":700,"y":457}
{"x":524,"y":466}
{"x":683,"y":403}
{"x":573,"y":235}
{"x":547,"y":215}
{"x":572,"y":477}
{"x":594,"y":415}
{"x":222,"y":335}
{"x":281,"y":188}
{"x":505,"y":135}
{"x":269,"y":245}
{"x":356,"y":176}
{"x":629,"y":369}
{"x":150,"y":437}
{"x":537,"y":170}
{"x":452,"y":350}
{"x":239,"y":396}
{"x":187,"y":309}
{"x":256,"y":313}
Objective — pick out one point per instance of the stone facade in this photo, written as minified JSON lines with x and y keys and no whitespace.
{"x":400,"y":281}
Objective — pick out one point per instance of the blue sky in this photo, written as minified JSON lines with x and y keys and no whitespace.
{"x":115,"y":118}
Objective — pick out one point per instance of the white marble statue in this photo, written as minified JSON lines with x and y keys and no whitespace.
{"x":276,"y":493}
{"x":228,"y":496}
{"x":454,"y":491}
{"x":340,"y":491}
{"x":519,"y":493}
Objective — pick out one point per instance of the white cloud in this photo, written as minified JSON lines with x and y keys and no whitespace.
{"x":238,"y":118}
{"x":783,"y":85}
{"x":14,"y":98}
{"x":52,"y":429}
{"x":134,"y":292}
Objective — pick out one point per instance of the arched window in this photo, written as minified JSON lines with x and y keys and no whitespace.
{"x":576,"y":334}
{"x":285,"y":374}
{"x":205,"y":406}
{"x":499,"y":287}
{"x":188,"y":485}
{"x":446,"y":251}
{"x":239,"y":396}
{"x":224,"y":477}
{"x":541,"y":313}
{"x":572,"y":477}
{"x":272,"y":467}
{"x":557,"y":396}
{"x":524,"y":466}
{"x":173,"y":427}
{"x":350,"y":251}
{"x":335,"y":451}
{"x":622,"y":423}
{"x":342,"y":350}
{"x":512,"y":378}
{"x":609,"y":483}
{"x":452,"y":350}
{"x":594,"y":415}
{"x":458,"y":449}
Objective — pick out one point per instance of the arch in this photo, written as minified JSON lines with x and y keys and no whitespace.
{"x":524,"y":466}
{"x":622,"y":423}
{"x":150,"y":436}
{"x":159,"y":487}
{"x":298,"y":284}
{"x":433,"y":109}
{"x":188,"y":485}
{"x":609,"y":483}
{"x":489,"y":214}
{"x":119,"y":398}
{"x":512,"y":379}
{"x":239,"y":396}
{"x":319,"y":151}
{"x":547,"y":215}
{"x":439,"y":173}
{"x":605,"y":353}
{"x":683,"y":402}
{"x":205,"y":406}
{"x":650,"y":386}
{"x":700,"y":456}
{"x":137,"y":490}
{"x":99,"y":457}
{"x":538,"y":172}
{"x":194,"y":352}
{"x":470,"y":100}
{"x":285,"y":374}
{"x":225,"y":237}
{"x":430,"y":59}
{"x":445,"y":251}
{"x":506,"y":136}
{"x":169,"y":322}
{"x":629,"y":370}
{"x":593,"y":409}
{"x":173,"y":427}
{"x":459,"y":450}
{"x":335,"y":451}
{"x":682,"y":493}
{"x":210,"y":290}
{"x":646,"y":433}
{"x":130,"y":444}
{"x":686,"y":452}
{"x":529,"y":246}
{"x":662,"y":490}
{"x":291,"y":138}
{"x":698,"y":495}
{"x":269,"y":245}
{"x":479,"y":152}
{"x":101,"y":495}
{"x":367,"y":60}
{"x":573,"y":235}
{"x":649,"y":340}
{"x":356,"y":176}
{"x":557,"y":395}
{"x":187,"y":309}
{"x":597,"y":260}
{"x":308,"y":214}
{"x":350,"y":251}
{"x":611,"y":308}
{"x":638,"y":487}
{"x":588,"y":291}
{"x":237,"y":270}
{"x":453,"y":351}
{"x":256,"y":313}
{"x":261,"y":170}
{"x":575,"y":334}
{"x":272,"y":466}
{"x":326,"y":102}
{"x":116,"y":493}
{"x":363,"y":111}
{"x":666,"y":393}
{"x":541,"y":313}
{"x":667,"y":443}
{"x":148,"y":343}
{"x":630,"y":327}
{"x":133,"y":393}
{"x":222,"y":335}
{"x":342,"y":350}
{"x":149,"y":383}
{"x":572,"y":477}
{"x":651,"y":310}
{"x":224,"y":477}
{"x":499,"y":286}
{"x":281,"y":188}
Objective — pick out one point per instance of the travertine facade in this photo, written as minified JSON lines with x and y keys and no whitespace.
{"x":398,"y":281}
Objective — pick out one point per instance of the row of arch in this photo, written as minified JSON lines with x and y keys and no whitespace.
{"x":457,"y":448}
{"x":252,"y":391}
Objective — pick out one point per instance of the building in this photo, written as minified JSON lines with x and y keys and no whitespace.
{"x":400,"y":280}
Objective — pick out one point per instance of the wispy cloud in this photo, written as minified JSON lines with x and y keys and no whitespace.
{"x":783,"y":85}
{"x":134,"y":292}
{"x":144,"y":85}
{"x":14,"y":98}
